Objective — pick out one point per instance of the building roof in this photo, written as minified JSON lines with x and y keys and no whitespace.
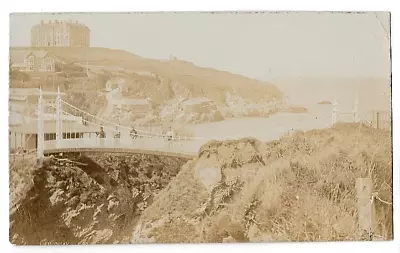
{"x":50,"y":127}
{"x":15,"y":118}
{"x":18,"y":97}
{"x":52,"y":23}
{"x":131,"y":101}
{"x":195,"y":101}
{"x":31,"y":92}
{"x":18,"y":56}
{"x":142,"y":73}
{"x":38,"y":54}
{"x":116,"y":80}
{"x":18,"y":65}
{"x":23,"y":91}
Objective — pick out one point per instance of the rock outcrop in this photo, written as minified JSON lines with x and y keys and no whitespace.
{"x":98,"y":202}
{"x":300,"y":188}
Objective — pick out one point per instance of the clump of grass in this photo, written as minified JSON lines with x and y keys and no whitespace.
{"x":304,"y":190}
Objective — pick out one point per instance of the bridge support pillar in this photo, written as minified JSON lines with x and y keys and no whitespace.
{"x":334,"y":112}
{"x":40,"y":133}
{"x":355,"y":109}
{"x":58,"y":119}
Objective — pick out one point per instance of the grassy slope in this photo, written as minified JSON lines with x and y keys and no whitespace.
{"x":304,"y":192}
{"x":213,"y":83}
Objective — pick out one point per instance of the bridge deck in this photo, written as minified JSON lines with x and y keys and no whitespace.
{"x":179,"y":148}
{"x":119,"y":150}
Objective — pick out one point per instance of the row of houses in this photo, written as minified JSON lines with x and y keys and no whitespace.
{"x":34,"y":61}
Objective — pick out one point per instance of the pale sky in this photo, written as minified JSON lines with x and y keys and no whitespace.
{"x":262,"y":46}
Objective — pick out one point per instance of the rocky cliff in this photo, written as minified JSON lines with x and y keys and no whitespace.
{"x":96,"y":200}
{"x":298,"y":188}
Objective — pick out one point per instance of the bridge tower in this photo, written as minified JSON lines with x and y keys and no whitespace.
{"x":40,"y":133}
{"x":335,"y":112}
{"x":355,"y":109}
{"x":58,"y":119}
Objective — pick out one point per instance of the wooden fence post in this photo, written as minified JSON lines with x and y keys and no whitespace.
{"x":365,"y":206}
{"x":377,"y":120}
{"x":373,"y":119}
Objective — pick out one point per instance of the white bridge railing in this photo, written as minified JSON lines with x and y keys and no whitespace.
{"x":338,"y":115}
{"x":152,"y":144}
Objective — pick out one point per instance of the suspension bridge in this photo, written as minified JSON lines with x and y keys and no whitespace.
{"x":73,"y":129}
{"x":76,"y":130}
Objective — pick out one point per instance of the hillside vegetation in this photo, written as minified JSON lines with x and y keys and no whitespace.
{"x":163,"y":82}
{"x":198,"y":81}
{"x":300,"y":188}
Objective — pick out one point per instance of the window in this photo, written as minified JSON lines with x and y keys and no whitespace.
{"x":50,"y":64}
{"x":49,"y":136}
{"x":43,"y":65}
{"x":31,"y":63}
{"x":46,"y":68}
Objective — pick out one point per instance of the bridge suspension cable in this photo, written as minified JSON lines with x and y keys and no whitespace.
{"x":93,"y":123}
{"x":140,"y":133}
{"x":108,"y":127}
{"x":143,"y":133}
{"x":107,"y":121}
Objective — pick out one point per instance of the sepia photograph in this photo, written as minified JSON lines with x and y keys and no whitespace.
{"x":200,"y":127}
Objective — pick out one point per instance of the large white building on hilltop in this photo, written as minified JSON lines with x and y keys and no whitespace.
{"x":60,"y":34}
